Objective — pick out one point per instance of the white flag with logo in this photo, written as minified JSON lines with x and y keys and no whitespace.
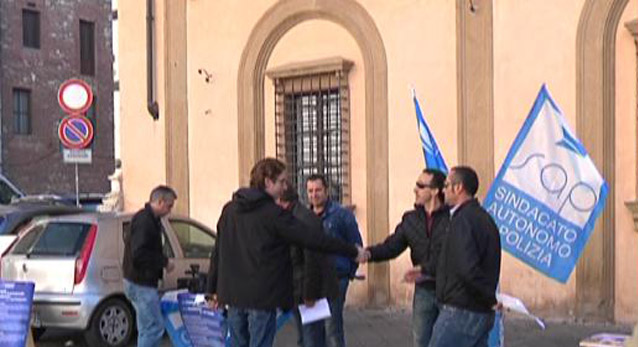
{"x":548,"y":193}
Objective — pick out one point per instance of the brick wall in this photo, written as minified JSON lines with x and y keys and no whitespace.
{"x":34,"y":162}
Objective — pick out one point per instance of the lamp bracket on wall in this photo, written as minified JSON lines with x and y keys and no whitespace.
{"x":208,"y":77}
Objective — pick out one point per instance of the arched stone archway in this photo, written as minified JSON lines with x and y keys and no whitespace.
{"x":280,"y":18}
{"x":595,"y":122}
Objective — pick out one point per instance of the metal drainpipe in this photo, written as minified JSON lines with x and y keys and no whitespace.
{"x":152,"y":106}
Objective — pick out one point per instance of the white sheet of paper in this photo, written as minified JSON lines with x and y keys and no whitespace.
{"x":515,"y":304}
{"x":321,"y":310}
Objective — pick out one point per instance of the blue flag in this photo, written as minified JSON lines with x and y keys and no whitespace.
{"x":548,"y":193}
{"x":431,"y":153}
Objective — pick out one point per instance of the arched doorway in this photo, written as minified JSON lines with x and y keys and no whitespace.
{"x":595,"y":122}
{"x":280,"y":18}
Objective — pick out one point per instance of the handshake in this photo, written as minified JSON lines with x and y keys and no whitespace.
{"x":363,"y":256}
{"x":413,"y":275}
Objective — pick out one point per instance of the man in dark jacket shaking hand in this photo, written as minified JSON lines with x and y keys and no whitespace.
{"x":422,"y":229}
{"x":251,"y":268}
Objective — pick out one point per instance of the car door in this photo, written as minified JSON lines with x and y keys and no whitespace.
{"x":195,"y":244}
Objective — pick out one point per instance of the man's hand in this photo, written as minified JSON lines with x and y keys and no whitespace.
{"x":363,"y":256}
{"x":309,"y":302}
{"x":211,"y":301}
{"x":170,"y":266}
{"x":413,"y":274}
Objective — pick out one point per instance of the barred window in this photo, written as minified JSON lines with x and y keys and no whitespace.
{"x":21,"y":111}
{"x":312,"y":117}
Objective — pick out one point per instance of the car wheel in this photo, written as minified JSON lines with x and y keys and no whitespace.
{"x":112,"y":324}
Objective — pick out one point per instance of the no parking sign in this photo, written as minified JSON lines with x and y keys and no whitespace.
{"x":75,"y":132}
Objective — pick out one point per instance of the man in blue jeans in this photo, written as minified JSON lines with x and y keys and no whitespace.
{"x":314,"y":275}
{"x":422,"y":229}
{"x":143,"y":265}
{"x":468,"y":268}
{"x":338,"y":222}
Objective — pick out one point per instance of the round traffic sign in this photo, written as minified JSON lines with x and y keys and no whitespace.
{"x":75,"y":132}
{"x":75,"y":96}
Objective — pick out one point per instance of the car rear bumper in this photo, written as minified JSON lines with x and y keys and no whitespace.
{"x":63,"y":311}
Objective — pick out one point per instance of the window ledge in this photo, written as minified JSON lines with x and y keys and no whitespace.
{"x":633,"y":208}
{"x":313,"y":67}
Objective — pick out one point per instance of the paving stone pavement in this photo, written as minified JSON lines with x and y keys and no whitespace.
{"x":392,"y":328}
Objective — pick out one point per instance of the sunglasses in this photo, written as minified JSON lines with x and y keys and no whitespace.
{"x":423,"y":186}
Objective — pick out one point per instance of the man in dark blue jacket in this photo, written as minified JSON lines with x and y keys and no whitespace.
{"x":313,"y":274}
{"x":468,"y":268}
{"x":423,"y":230}
{"x":338,"y":222}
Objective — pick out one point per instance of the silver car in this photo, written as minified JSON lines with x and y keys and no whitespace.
{"x":75,"y":262}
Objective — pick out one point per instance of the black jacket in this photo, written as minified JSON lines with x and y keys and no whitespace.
{"x":144,"y":259}
{"x":251,"y":265}
{"x":425,"y":245}
{"x":314,"y":274}
{"x":470,"y":261}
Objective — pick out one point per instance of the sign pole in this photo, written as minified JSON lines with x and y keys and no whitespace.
{"x":77,"y":187}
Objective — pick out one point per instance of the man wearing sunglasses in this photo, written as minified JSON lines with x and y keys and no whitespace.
{"x":422,"y":229}
{"x":468,"y":268}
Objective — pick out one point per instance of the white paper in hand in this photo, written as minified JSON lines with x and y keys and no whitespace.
{"x":320,"y":310}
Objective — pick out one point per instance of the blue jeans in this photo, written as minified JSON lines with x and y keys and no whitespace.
{"x":251,"y":328}
{"x":456,"y":327}
{"x":424,"y":313}
{"x":150,"y":323}
{"x":334,"y":324}
{"x":310,"y":335}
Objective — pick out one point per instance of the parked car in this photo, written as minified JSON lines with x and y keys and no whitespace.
{"x":8,"y":190}
{"x":15,"y":215}
{"x":87,"y":201}
{"x":75,"y":262}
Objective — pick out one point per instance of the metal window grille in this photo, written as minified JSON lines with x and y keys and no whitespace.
{"x":22,"y":111}
{"x":312,"y":130}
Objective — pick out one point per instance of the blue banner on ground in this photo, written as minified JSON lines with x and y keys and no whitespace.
{"x":206,"y":327}
{"x":548,"y":193}
{"x":173,"y":319}
{"x":15,"y":309}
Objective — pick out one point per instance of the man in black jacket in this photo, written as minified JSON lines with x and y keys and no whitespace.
{"x":423,"y":230}
{"x":314,"y":274}
{"x":468,"y":269}
{"x":144,"y":262}
{"x":251,"y":268}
